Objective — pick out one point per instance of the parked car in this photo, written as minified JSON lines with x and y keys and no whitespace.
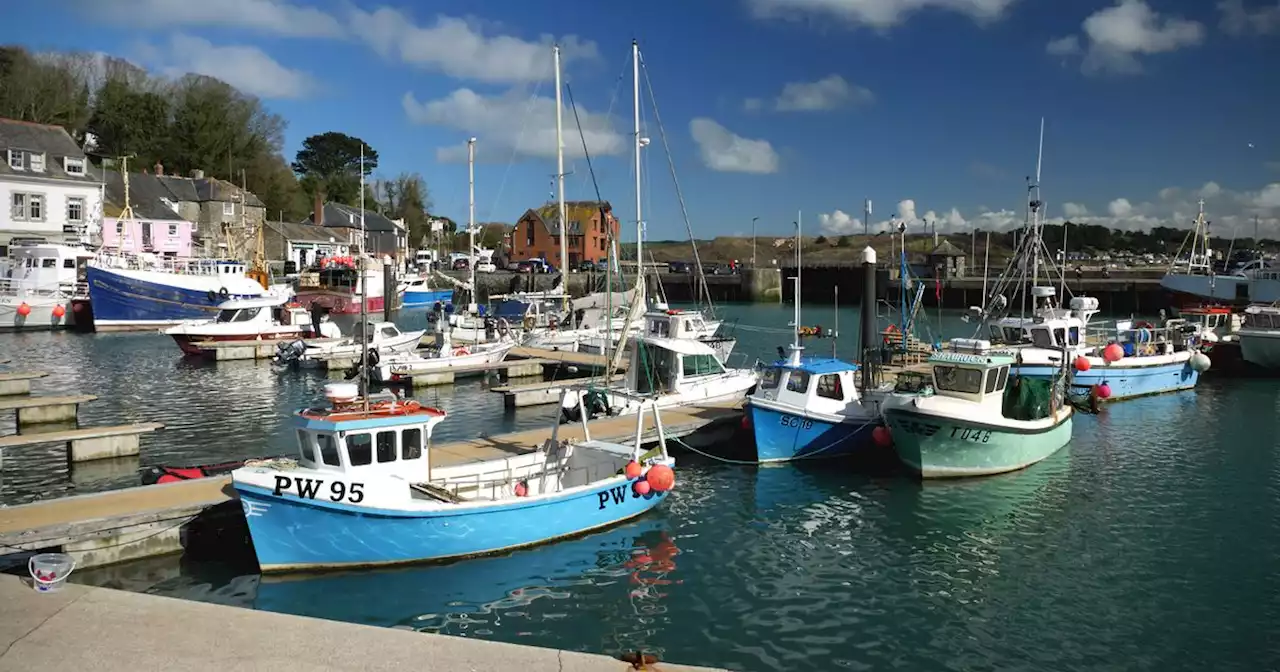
{"x":678,"y":267}
{"x":486,"y":267}
{"x":461,"y":264}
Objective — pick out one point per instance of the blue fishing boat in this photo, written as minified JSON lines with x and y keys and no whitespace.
{"x":133,"y":293}
{"x":418,"y":292}
{"x":367,"y":490}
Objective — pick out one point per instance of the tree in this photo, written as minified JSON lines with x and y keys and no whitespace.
{"x":218,"y":129}
{"x":843,"y":241}
{"x":52,"y":89}
{"x":127,"y":122}
{"x":406,"y":197}
{"x":329,"y":164}
{"x":820,"y":240}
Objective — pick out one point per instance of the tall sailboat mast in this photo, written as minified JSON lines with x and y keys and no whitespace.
{"x":471,"y":221}
{"x":639,"y":142}
{"x":564,"y":227}
{"x":1035,"y":212}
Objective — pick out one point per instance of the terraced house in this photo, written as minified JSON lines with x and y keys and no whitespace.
{"x":537,"y":233}
{"x":49,"y":190}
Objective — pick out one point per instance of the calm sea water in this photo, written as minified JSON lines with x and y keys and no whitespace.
{"x":1148,"y":544}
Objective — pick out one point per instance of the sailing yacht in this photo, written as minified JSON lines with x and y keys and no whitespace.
{"x":670,"y":369}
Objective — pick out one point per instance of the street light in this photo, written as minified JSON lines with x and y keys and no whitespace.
{"x":753,"y":241}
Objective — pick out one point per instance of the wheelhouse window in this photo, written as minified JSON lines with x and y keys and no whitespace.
{"x":306,"y":446}
{"x":772,"y":376}
{"x":830,"y":388}
{"x":1012,"y":335}
{"x":238,"y":315}
{"x":328,"y":450}
{"x":1073,"y":336}
{"x":798,"y":382}
{"x":386,"y":446}
{"x":1059,"y":336}
{"x":359,"y":450}
{"x":701,"y":365}
{"x":411,"y":444}
{"x":390,"y":332}
{"x":956,"y":379}
{"x":1041,"y":339}
{"x":660,"y":328}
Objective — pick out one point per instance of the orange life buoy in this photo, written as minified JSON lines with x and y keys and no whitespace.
{"x":460,"y":350}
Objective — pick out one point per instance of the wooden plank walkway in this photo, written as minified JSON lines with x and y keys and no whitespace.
{"x":18,"y":382}
{"x":17,"y":440}
{"x":21,"y":375}
{"x":37,"y":402}
{"x":562,"y":356}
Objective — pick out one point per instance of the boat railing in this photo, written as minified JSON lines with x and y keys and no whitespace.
{"x":20,"y":288}
{"x":184,"y":266}
{"x":499,"y":480}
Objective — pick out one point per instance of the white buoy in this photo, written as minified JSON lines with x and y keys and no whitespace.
{"x":338,"y":393}
{"x":1200,"y":362}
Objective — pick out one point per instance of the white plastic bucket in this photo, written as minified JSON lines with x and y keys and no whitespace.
{"x":49,"y":571}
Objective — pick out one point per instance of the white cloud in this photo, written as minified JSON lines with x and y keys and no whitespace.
{"x":1070,"y":210}
{"x":1116,"y":36}
{"x":460,"y":49}
{"x":1238,"y":20}
{"x":829,"y":93}
{"x":878,"y":14}
{"x":1268,"y":198}
{"x":724,"y":151}
{"x":246,"y":68}
{"x":839,"y":223}
{"x":512,"y":123}
{"x":265,"y":16}
{"x":1121,"y":207}
{"x":1209,"y":190}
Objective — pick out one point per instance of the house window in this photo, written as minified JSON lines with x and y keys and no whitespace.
{"x":75,"y":209}
{"x":15,"y":160}
{"x":73,"y":166}
{"x":228,"y":209}
{"x":27,"y":207}
{"x":37,"y":162}
{"x":602,"y":244}
{"x":529,"y":233}
{"x":119,"y":227}
{"x":173,"y":229}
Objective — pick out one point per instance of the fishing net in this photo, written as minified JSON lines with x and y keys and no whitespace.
{"x":1028,"y":398}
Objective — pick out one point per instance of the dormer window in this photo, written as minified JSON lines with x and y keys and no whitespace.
{"x":17,"y":159}
{"x":73,"y":166}
{"x":171,"y":205}
{"x":37,"y":162}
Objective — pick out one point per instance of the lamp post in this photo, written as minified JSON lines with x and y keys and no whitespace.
{"x":753,"y":241}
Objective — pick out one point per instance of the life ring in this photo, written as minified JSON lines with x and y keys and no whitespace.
{"x":529,"y":322}
{"x":223,"y":293}
{"x":212,"y":295}
{"x":460,"y":351}
{"x":503,"y":327}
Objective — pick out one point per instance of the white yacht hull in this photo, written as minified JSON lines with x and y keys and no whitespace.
{"x":1260,"y":347}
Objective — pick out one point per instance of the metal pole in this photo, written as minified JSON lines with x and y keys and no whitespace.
{"x":868,"y":313}
{"x":564,"y":227}
{"x":753,"y":242}
{"x":364,"y":293}
{"x":471,"y":220}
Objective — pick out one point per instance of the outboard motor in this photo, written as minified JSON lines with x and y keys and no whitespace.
{"x":490,"y":328}
{"x":289,"y":352}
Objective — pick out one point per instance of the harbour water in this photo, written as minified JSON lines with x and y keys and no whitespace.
{"x":1148,"y":544}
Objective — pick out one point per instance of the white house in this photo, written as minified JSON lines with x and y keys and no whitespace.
{"x":49,"y":190}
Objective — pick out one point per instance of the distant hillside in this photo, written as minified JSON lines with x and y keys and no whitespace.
{"x":817,"y":249}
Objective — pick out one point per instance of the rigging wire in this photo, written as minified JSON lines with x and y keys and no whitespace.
{"x":515,"y":149}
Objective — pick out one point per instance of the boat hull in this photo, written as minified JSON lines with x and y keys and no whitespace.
{"x":189,"y":343}
{"x":295,"y":534}
{"x":40,"y":318}
{"x":126,"y":299}
{"x":1128,"y":378}
{"x":792,"y":434}
{"x":1260,"y":348}
{"x":426,"y":298}
{"x":947,"y":447}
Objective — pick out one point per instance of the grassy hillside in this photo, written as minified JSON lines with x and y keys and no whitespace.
{"x":817,"y":249}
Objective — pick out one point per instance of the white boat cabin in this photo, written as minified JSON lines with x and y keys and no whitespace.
{"x":265,"y":309}
{"x":967,"y":372}
{"x":43,"y":269}
{"x":674,"y":323}
{"x":665,"y":365}
{"x":1050,"y":327}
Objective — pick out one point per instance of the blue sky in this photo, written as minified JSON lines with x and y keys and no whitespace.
{"x":769,"y":106}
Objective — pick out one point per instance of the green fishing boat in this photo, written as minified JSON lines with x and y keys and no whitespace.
{"x":963,"y":414}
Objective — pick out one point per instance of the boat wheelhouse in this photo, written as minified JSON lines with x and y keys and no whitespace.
{"x":811,"y":407}
{"x":967,"y":412}
{"x":265,"y":318}
{"x":367,"y":489}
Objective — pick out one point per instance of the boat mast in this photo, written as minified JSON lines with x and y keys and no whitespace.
{"x":364,"y":293}
{"x":1035,"y":213}
{"x":564,"y":230}
{"x":796,"y":348}
{"x":471,"y":220}
{"x":639,"y":142}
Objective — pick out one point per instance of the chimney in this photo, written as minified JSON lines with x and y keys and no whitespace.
{"x":159,"y":169}
{"x":317,"y":212}
{"x":197,"y":174}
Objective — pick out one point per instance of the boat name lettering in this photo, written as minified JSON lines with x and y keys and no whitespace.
{"x":310,"y":487}
{"x":959,"y":358}
{"x":617,"y":494}
{"x":793,"y":421}
{"x":921,"y":428}
{"x":969,"y":434}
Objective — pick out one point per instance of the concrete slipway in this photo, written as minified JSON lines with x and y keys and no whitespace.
{"x":84,"y":628}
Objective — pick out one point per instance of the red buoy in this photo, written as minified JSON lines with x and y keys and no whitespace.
{"x":633,"y":470}
{"x":59,"y":311}
{"x":1082,"y":363}
{"x":882,"y":436}
{"x":642,"y":488}
{"x":661,"y":477}
{"x":1113,"y":353}
{"x":522,"y":490}
{"x":1104,"y":391}
{"x":24,"y":309}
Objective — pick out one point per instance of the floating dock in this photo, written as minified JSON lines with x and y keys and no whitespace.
{"x":87,"y":628}
{"x":510,"y":368}
{"x":88,"y":443}
{"x":230,"y":351}
{"x":116,"y":526}
{"x":18,"y":383}
{"x":38,"y":410}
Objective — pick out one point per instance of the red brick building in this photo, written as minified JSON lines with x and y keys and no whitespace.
{"x":537,"y":233}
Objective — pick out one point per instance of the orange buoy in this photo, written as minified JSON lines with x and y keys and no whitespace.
{"x":1113,"y":353}
{"x":24,"y":309}
{"x":59,"y":311}
{"x":1103,"y":391}
{"x":882,"y":436}
{"x":642,"y":488}
{"x":661,"y":477}
{"x":633,"y":470}
{"x":1082,"y":363}
{"x":522,"y":490}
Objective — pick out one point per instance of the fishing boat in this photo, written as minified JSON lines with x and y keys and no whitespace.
{"x":367,"y":490}
{"x":966,"y":413}
{"x":814,"y":407}
{"x":419,"y":291}
{"x":1259,"y":337}
{"x":1194,"y":278}
{"x":442,"y":355}
{"x":384,"y":338}
{"x":144,"y":291}
{"x":345,"y":288}
{"x":267,"y":318}
{"x":40,"y":281}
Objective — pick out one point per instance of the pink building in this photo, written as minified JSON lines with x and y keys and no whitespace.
{"x":155,"y":226}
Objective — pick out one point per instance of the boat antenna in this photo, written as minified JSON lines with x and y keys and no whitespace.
{"x":364,"y":291}
{"x":796,"y":348}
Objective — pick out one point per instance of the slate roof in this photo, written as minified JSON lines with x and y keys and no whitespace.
{"x":145,"y":194}
{"x":199,"y":190}
{"x":345,"y":216}
{"x":579,"y":214}
{"x":306,"y":233}
{"x":53,"y":141}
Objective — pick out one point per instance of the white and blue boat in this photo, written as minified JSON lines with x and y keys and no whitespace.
{"x":140,"y":293}
{"x":418,"y":293}
{"x":367,"y":490}
{"x":810,"y":407}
